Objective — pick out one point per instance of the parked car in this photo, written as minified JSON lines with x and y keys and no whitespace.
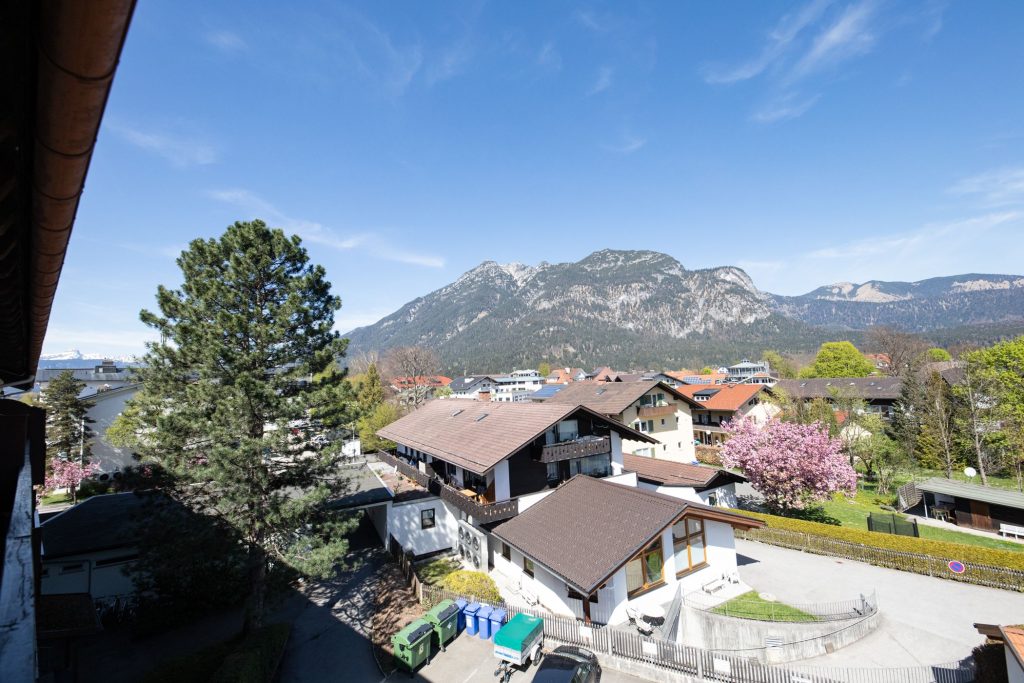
{"x":568,"y":664}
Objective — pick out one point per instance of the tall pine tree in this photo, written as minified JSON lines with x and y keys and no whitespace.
{"x":244,"y":345}
{"x":68,"y":434}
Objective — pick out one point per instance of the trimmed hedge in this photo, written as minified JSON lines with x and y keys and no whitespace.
{"x":984,"y":566}
{"x":475,"y":584}
{"x":257,"y":658}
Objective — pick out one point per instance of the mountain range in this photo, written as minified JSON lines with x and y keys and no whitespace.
{"x":643,"y":308}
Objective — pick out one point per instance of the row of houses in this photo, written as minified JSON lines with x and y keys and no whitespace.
{"x":548,"y":497}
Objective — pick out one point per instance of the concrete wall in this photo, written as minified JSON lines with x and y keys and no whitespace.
{"x":747,"y":637}
{"x":404,"y":524}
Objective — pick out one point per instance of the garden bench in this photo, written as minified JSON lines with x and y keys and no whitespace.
{"x":713,"y":586}
{"x":1011,"y":529}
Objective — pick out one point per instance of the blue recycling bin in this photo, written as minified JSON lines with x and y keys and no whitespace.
{"x":471,"y":612}
{"x":461,"y":604}
{"x":483,"y":621}
{"x":497,"y":620}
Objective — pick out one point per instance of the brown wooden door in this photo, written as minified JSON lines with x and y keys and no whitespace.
{"x":980,"y":514}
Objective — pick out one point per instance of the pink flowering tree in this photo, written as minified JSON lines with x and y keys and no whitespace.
{"x":792,"y":465}
{"x":68,"y":474}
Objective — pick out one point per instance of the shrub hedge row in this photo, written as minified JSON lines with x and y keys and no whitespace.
{"x":470,"y":583}
{"x":940,"y":551}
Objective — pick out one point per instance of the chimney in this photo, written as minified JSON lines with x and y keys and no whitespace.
{"x":484,"y":395}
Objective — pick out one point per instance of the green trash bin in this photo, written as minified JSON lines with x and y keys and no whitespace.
{"x":445,"y":620}
{"x":412,"y":644}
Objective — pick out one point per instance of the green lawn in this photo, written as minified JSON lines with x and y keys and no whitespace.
{"x":432,"y":573}
{"x":751,"y":606}
{"x":853,"y":512}
{"x":55,"y":498}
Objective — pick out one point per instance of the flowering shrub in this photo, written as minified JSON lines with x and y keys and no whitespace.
{"x":68,"y":474}
{"x":792,"y":465}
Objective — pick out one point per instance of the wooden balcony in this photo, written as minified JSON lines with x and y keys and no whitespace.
{"x":481,"y":511}
{"x":578,"y":448}
{"x":656,"y":411}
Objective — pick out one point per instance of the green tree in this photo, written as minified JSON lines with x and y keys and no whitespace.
{"x":838,"y":359}
{"x":937,"y":355}
{"x":68,"y":434}
{"x":244,"y":343}
{"x":779,"y":364}
{"x":443,"y":392}
{"x":706,"y":370}
{"x":992,"y":394}
{"x":544,"y":368}
{"x":371,"y":390}
{"x":383,"y":415}
{"x":936,"y":442}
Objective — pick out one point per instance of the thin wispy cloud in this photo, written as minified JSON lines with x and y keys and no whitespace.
{"x":851,"y":35}
{"x":549,"y":58}
{"x":778,"y":43}
{"x":908,"y":242}
{"x":603,"y":80}
{"x":591,"y":20}
{"x":255,"y":206}
{"x":168,"y":251}
{"x":180,"y":151}
{"x":226,"y":41}
{"x":1000,"y":187}
{"x":786,"y":107}
{"x":628,"y":145}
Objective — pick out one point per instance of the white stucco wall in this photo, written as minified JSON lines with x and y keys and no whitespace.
{"x":552,"y":593}
{"x":1014,"y":671}
{"x":404,"y":524}
{"x":501,"y":482}
{"x":726,"y":496}
{"x":103,"y":410}
{"x":673,"y":432}
{"x":105,"y":580}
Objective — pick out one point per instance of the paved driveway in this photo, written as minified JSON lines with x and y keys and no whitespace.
{"x":471,"y":660}
{"x":924,"y":620}
{"x":330,"y":624}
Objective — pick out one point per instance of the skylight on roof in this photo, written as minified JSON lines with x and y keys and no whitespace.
{"x":600,"y":391}
{"x":457,"y":412}
{"x":480,"y":417}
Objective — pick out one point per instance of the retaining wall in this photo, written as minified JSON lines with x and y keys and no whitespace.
{"x":772,"y":642}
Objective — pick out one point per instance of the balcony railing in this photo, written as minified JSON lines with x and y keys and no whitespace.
{"x":578,"y":448}
{"x":657,"y":411}
{"x":480,"y":511}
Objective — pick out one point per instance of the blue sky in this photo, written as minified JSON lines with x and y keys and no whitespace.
{"x":406,"y":142}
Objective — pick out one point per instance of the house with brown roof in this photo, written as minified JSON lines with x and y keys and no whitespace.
{"x":594,"y":549}
{"x":879,"y":394}
{"x":719,"y":403}
{"x":648,"y":406}
{"x":565,"y":375}
{"x":483,"y":462}
{"x":698,"y":483}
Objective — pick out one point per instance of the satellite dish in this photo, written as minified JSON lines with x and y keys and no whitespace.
{"x":970,"y":472}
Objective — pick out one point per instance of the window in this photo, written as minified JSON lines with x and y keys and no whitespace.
{"x":646,"y":570}
{"x":662,"y":422}
{"x":527,"y":566}
{"x":688,"y":542}
{"x":506,"y":552}
{"x":427,"y":518}
{"x":644,"y":426}
{"x":568,"y":430}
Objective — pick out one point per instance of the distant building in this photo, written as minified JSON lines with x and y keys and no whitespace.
{"x":566,"y":375}
{"x":880,"y":394}
{"x":881,"y":361}
{"x":471,"y":386}
{"x":517,"y":386}
{"x":106,"y":375}
{"x":750,"y":372}
{"x":649,"y":406}
{"x":720,"y":403}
